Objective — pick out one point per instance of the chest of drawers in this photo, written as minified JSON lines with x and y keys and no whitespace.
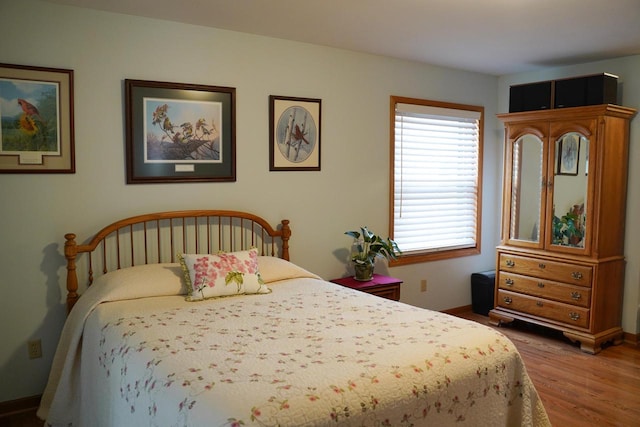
{"x":554,"y":293}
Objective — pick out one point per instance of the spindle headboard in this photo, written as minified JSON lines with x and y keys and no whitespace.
{"x":157,"y":238}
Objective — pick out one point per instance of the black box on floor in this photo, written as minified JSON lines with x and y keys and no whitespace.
{"x":482,"y":288}
{"x":587,"y":90}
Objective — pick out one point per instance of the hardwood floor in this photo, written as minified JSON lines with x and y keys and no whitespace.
{"x":577,"y":389}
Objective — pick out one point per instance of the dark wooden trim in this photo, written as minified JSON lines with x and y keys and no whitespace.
{"x":458,"y":310}
{"x":19,"y":406}
{"x":633,"y":339}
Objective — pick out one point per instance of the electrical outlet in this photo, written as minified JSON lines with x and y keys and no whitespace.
{"x":34,"y":348}
{"x":423,"y":285}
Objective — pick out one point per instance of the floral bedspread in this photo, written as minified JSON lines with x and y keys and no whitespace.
{"x":311,"y":353}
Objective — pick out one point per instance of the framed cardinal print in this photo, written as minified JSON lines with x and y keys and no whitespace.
{"x":36,"y":120}
{"x":294,"y":134}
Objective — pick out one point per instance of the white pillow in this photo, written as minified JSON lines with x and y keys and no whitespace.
{"x":142,"y":280}
{"x":273,"y":269}
{"x":210,"y":276}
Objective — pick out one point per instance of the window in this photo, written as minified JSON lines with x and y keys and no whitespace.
{"x":436,"y":179}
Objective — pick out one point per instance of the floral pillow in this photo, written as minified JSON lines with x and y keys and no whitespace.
{"x":210,"y":276}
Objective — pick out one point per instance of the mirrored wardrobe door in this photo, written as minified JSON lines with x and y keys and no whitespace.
{"x":570,"y":190}
{"x":527,"y":189}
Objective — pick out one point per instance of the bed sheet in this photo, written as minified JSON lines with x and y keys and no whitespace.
{"x":311,"y":353}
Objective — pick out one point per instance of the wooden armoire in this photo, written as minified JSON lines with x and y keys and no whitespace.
{"x":560,"y":262}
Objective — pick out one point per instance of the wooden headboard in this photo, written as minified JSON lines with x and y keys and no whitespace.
{"x":158,"y":237}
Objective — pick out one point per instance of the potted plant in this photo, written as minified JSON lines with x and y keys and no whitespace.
{"x":366,"y":247}
{"x":567,"y":230}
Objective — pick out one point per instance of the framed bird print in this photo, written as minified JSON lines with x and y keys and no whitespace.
{"x":36,"y":120}
{"x":294,"y":133}
{"x":179,"y":132}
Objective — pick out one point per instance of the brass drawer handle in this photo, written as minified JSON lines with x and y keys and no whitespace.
{"x":539,"y":303}
{"x":508,"y":282}
{"x":576,"y":295}
{"x":576,"y":275}
{"x":574,"y":316}
{"x":507,"y":300}
{"x":540,"y":285}
{"x":510,"y":263}
{"x":542,"y":266}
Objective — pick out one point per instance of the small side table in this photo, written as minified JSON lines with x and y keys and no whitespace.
{"x":382,"y":286}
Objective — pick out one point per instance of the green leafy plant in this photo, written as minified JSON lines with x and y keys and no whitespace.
{"x":567,"y":230}
{"x":367,"y":246}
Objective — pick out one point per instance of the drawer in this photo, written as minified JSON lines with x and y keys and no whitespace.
{"x":553,"y":310}
{"x":570,"y":294}
{"x":391,"y":292}
{"x":552,"y":270}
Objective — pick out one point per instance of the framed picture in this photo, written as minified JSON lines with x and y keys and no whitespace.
{"x":36,"y":120}
{"x":568,"y":152}
{"x":294,"y":134}
{"x":179,"y":132}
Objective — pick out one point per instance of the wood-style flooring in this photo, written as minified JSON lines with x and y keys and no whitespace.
{"x":577,"y":389}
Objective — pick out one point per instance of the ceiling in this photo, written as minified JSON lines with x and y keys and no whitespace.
{"x":495,"y":37}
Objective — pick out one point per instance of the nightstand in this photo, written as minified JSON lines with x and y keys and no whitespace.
{"x":382,"y":286}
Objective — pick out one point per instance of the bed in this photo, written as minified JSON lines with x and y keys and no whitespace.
{"x":147,"y":343}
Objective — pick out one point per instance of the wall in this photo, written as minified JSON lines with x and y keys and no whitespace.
{"x":351,"y":189}
{"x":627,"y":69}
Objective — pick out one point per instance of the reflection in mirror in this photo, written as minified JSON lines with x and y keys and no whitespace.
{"x":526,"y":188}
{"x":570,"y":190}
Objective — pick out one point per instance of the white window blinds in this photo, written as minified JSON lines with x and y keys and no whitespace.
{"x":436,"y":183}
